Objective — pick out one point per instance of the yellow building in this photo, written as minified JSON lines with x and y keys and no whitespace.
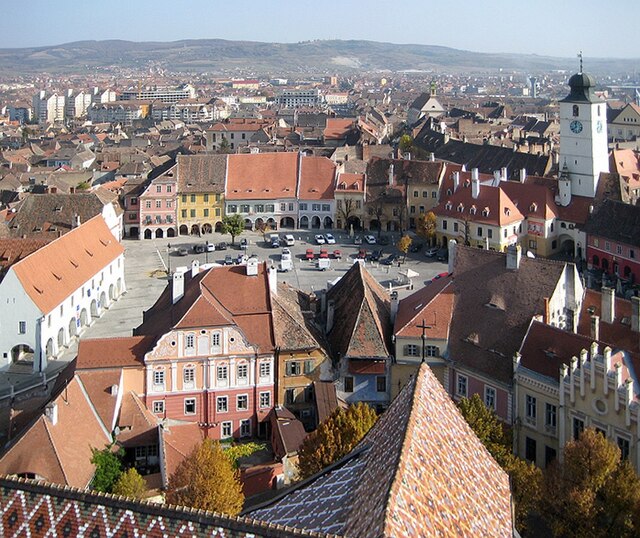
{"x":349,"y":195}
{"x":200,"y":206}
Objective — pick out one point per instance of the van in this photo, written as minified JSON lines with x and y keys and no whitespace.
{"x":289,"y":240}
{"x":274,"y":240}
{"x":323,"y":264}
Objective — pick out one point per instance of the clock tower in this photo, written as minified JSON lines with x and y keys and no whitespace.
{"x":584,"y":151}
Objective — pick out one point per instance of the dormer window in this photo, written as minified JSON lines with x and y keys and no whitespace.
{"x":343,"y":185}
{"x":448,"y":206}
{"x":507,"y":211}
{"x":460,"y":208}
{"x":485,"y":212}
{"x":473,"y":210}
{"x":449,"y":192}
{"x":533,"y":207}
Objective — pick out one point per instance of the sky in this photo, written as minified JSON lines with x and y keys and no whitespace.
{"x":545,"y":27}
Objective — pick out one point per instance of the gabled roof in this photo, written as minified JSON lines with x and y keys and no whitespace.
{"x":201,"y":173}
{"x":138,"y":426}
{"x":58,"y":269}
{"x":616,"y":221}
{"x":420,"y":471}
{"x":56,"y":459}
{"x":262,"y":176}
{"x":99,"y":385}
{"x":292,"y":330}
{"x":362,"y":321}
{"x":289,"y":430}
{"x":113,"y":352}
{"x":14,"y":250}
{"x":317,"y":178}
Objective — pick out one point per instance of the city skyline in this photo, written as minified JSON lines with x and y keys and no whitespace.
{"x":545,"y":28}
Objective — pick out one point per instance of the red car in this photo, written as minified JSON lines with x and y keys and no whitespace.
{"x":337,"y":254}
{"x":309,"y":255}
{"x":323,"y":253}
{"x":362,"y":254}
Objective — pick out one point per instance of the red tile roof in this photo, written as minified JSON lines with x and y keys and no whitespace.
{"x":112,"y":352}
{"x":317,"y":179}
{"x":262,"y":176}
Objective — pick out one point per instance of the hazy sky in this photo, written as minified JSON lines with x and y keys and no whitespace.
{"x":544,"y":27}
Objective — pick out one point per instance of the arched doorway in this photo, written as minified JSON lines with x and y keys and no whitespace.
{"x":184,"y":229}
{"x":195,"y":229}
{"x":271,"y":223}
{"x":328,"y":223}
{"x":374,"y":225}
{"x":73,"y":328}
{"x":218,"y":227}
{"x":596,"y":261}
{"x":148,"y":234}
{"x":22,"y":353}
{"x":118,"y":287}
{"x":304,"y":222}
{"x":353,"y":222}
{"x":103,"y":300}
{"x":206,"y":228}
{"x":111,"y":293}
{"x":315,"y":222}
{"x":134,"y":231}
{"x":171,"y":232}
{"x":159,"y":233}
{"x":84,"y":318}
{"x":287,"y":222}
{"x":259,"y":223}
{"x":248,"y":225}
{"x":93,"y":309}
{"x":49,"y":348}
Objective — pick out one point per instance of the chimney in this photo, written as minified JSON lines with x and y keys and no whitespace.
{"x":331,"y":305}
{"x":514,"y":255}
{"x":272,"y":276}
{"x":432,"y":157}
{"x":252,"y":266}
{"x":53,"y":190}
{"x":452,"y":254}
{"x":394,"y":305}
{"x":503,"y":173}
{"x":177,"y":289}
{"x":456,"y":181}
{"x":76,"y":221}
{"x":391,"y":174}
{"x":475,"y":186}
{"x":51,"y":412}
{"x":595,"y":327}
{"x":523,"y":175}
{"x":195,"y":268}
{"x":608,"y":305}
{"x":635,"y":314}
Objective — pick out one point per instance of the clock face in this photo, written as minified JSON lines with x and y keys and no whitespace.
{"x":599,"y":126}
{"x":576,"y":126}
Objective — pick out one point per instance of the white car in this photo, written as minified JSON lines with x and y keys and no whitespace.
{"x":330,"y":239}
{"x":289,"y":240}
{"x":210,"y":247}
{"x":319,"y":239}
{"x":370,"y":239}
{"x":286,"y":254}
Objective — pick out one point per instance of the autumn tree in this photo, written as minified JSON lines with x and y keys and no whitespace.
{"x":130,"y":484}
{"x":206,"y":479}
{"x":592,"y":493}
{"x":404,"y":244}
{"x":262,"y":228}
{"x":335,"y":438}
{"x":232,"y":225}
{"x":108,"y":468}
{"x":427,"y":226}
{"x":346,"y":209}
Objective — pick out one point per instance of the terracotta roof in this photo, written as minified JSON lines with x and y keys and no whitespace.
{"x":99,"y":385}
{"x":177,"y":442}
{"x":262,"y":176}
{"x":350,"y":183}
{"x":14,"y":250}
{"x":114,"y":352}
{"x":494,"y":306}
{"x":362,"y":322}
{"x":50,"y":509}
{"x":326,"y":399}
{"x":201,"y":173}
{"x":615,"y":221}
{"x":58,"y":269}
{"x":420,"y":471}
{"x":532,"y":200}
{"x":338,"y":128}
{"x":56,"y":458}
{"x":138,"y":426}
{"x":289,"y":429}
{"x":317,"y":178}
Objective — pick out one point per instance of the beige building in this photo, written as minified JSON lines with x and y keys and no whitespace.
{"x":626,"y":125}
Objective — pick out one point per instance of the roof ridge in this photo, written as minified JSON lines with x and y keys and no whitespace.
{"x":53,"y":446}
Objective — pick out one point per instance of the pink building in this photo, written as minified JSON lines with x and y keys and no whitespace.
{"x":157,"y":206}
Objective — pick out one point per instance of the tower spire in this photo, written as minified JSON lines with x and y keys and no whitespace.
{"x":580,"y":57}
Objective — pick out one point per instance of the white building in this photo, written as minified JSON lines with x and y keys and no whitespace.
{"x":48,"y":108}
{"x":166,"y":95}
{"x":298,"y":98}
{"x":76,"y":104}
{"x":50,"y":296}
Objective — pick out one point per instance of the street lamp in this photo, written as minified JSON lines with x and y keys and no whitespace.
{"x":168,"y":259}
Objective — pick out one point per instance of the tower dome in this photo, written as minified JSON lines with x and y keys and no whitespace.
{"x":582,"y":85}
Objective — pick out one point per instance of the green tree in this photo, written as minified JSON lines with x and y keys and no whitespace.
{"x":404,"y":244}
{"x":108,"y":468}
{"x":232,"y":225}
{"x":207,"y":480}
{"x":427,"y":226}
{"x":130,"y":484}
{"x":592,"y":493}
{"x":335,"y":438}
{"x":224,"y":146}
{"x":406,"y":143}
{"x":242,"y":450}
{"x":83,"y":186}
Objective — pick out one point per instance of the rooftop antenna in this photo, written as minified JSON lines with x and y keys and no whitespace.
{"x":580,"y":57}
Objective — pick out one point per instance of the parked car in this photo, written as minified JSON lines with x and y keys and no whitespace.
{"x":244,"y":244}
{"x":228,"y":259}
{"x":199,"y":249}
{"x":324,"y":253}
{"x":431,"y":252}
{"x":362,"y":254}
{"x":330,"y":240}
{"x":274,"y":240}
{"x":390,"y":259}
{"x":309,"y":254}
{"x":241,"y":259}
{"x":182,"y":251}
{"x":357,"y":240}
{"x":370,"y":239}
{"x":376,"y":255}
{"x":209,"y":247}
{"x":337,"y":254}
{"x":443,"y":255}
{"x":221,"y":246}
{"x":319,"y":239}
{"x":323,"y":264}
{"x":415,"y":247}
{"x":286,"y":254}
{"x":289,"y":240}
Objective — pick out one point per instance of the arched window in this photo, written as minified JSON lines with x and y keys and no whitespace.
{"x":576,"y":110}
{"x":596,"y":261}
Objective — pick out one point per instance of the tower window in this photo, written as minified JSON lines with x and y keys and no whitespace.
{"x":576,"y":110}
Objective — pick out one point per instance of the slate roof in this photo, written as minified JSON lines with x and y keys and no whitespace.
{"x":484,"y":337}
{"x":616,"y":221}
{"x":362,"y":317}
{"x":201,"y":173}
{"x":61,"y":511}
{"x":58,"y":269}
{"x":420,"y":471}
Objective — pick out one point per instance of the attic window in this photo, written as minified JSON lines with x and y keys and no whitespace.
{"x":473,"y":210}
{"x":533,"y":207}
{"x":343,"y":185}
{"x":549,"y":353}
{"x":356,"y":185}
{"x":625,"y":321}
{"x":57,"y":277}
{"x":38,"y":290}
{"x":58,"y":208}
{"x":448,"y":206}
{"x":507,"y":211}
{"x":105,"y":243}
{"x":473,"y":338}
{"x":494,"y":306}
{"x":419,"y":306}
{"x":37,"y":229}
{"x":467,"y":183}
{"x":460,"y":208}
{"x":73,"y":262}
{"x":485,"y":212}
{"x":449,"y":192}
{"x":88,"y":252}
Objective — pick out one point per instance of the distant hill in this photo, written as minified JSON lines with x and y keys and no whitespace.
{"x":217,"y":56}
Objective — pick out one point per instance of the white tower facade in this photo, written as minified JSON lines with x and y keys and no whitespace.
{"x":583,"y":136}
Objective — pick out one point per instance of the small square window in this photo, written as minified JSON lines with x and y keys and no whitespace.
{"x":22,"y":327}
{"x":227,"y":428}
{"x":461,"y":387}
{"x":265,"y":399}
{"x":381,"y":383}
{"x":190,"y":406}
{"x":158,"y":407}
{"x":222,"y":404}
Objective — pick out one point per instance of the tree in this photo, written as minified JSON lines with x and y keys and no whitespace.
{"x":592,"y":493}
{"x":261,"y":227}
{"x":207,"y":480}
{"x":130,"y":484}
{"x":347,"y":208}
{"x":224,"y":146}
{"x":406,"y":143}
{"x":427,"y":226}
{"x":232,"y":225}
{"x":335,"y":438}
{"x":404,"y":244}
{"x":108,"y":468}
